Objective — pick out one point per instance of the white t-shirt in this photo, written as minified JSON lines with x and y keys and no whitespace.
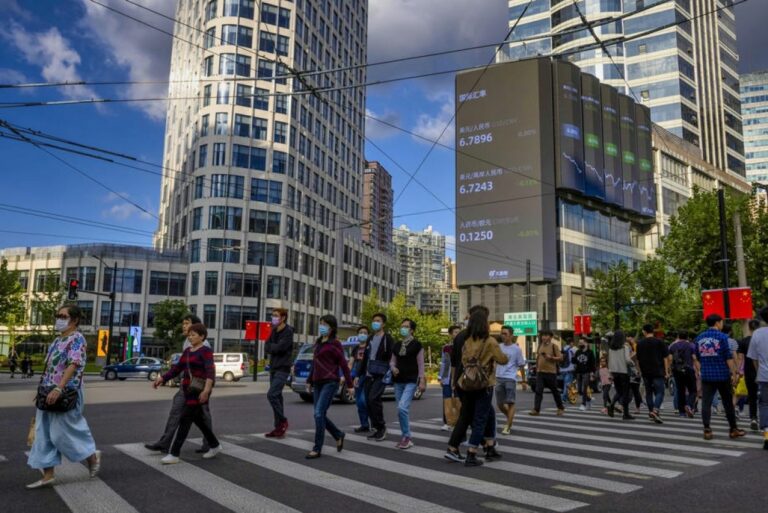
{"x":572,"y":366}
{"x":758,"y":350}
{"x":516,"y":360}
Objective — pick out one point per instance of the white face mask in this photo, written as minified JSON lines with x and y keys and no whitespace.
{"x":61,"y":324}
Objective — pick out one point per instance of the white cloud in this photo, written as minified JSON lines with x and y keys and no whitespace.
{"x":11,"y":76}
{"x":143,"y":52}
{"x":52,"y":53}
{"x":122,"y":210}
{"x":13,"y":7}
{"x":437,"y":125}
{"x":377,"y":130}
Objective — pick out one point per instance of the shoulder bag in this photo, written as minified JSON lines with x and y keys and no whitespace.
{"x":67,"y":399}
{"x":474,"y":376}
{"x":196,"y":385}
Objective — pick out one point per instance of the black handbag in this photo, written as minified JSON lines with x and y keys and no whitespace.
{"x":67,"y":399}
{"x":196,"y":385}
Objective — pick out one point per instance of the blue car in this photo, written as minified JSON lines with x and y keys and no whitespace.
{"x":303,"y":362}
{"x":138,"y":367}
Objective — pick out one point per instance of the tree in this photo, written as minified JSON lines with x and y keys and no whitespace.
{"x":168,"y":317}
{"x":11,"y":299}
{"x":46,"y":301}
{"x":615,"y":285}
{"x":371,"y":306}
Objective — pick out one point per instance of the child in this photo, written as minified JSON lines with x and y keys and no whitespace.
{"x":606,"y":380}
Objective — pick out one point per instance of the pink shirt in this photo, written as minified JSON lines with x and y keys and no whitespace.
{"x":63,"y":353}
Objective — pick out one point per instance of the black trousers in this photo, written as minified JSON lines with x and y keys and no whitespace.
{"x":752,"y":395}
{"x":374,"y":390}
{"x":685,"y":384}
{"x":549,"y":381}
{"x":621,"y":384}
{"x":174,"y":419}
{"x":193,"y":415}
{"x":708,"y":391}
{"x":634,"y":390}
{"x":466,"y":416}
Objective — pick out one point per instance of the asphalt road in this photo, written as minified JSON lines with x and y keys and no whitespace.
{"x":582,"y":461}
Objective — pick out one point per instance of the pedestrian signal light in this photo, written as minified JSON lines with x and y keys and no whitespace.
{"x":72,"y":291}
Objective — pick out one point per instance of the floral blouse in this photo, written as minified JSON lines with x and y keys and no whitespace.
{"x":63,"y":353}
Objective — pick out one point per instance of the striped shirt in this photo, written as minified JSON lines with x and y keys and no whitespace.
{"x":197,"y":363}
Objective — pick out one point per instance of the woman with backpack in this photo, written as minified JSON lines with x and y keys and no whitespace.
{"x":619,"y":360}
{"x":479,"y":357}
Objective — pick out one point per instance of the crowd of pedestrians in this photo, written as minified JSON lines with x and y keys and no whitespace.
{"x":474,"y":369}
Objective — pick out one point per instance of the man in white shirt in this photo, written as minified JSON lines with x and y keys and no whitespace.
{"x":507,"y":375}
{"x":758,"y":354}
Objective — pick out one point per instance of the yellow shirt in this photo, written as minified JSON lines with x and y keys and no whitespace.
{"x":543,"y":364}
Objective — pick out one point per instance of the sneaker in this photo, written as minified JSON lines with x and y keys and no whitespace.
{"x":582,"y":408}
{"x":169,"y":459}
{"x":381,"y":435}
{"x":654,"y":416}
{"x":534,"y":413}
{"x":560,"y":412}
{"x":405,"y":443}
{"x":212,"y":452}
{"x":455,"y":456}
{"x":41,"y":483}
{"x":156,"y":448}
{"x":362,"y":429}
{"x":446,"y":427}
{"x":471,"y":460}
{"x":689,"y":412}
{"x":373,"y":435}
{"x":753,"y":425}
{"x":506,"y":431}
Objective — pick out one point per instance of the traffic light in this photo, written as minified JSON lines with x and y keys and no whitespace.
{"x":72,"y":291}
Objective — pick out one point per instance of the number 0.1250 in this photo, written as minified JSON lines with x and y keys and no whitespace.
{"x":476,"y":236}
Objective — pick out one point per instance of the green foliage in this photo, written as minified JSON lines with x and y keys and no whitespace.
{"x":47,"y":301}
{"x":168,"y":317}
{"x":613,"y":286}
{"x":11,"y":299}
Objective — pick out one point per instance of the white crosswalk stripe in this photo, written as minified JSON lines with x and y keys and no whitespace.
{"x":509,"y":493}
{"x":3,"y":458}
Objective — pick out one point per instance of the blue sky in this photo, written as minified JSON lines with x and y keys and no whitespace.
{"x":50,"y":40}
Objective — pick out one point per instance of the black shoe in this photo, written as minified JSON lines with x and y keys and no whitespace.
{"x":611,"y":410}
{"x":340,"y":443}
{"x":628,"y":417}
{"x":491,"y":453}
{"x":753,"y":425}
{"x":156,"y":447}
{"x":380,"y":435}
{"x":202,"y":450}
{"x":471,"y":460}
{"x":373,"y":435}
{"x":362,"y":429}
{"x":454,"y":455}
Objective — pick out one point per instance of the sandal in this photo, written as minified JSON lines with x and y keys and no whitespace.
{"x":340,"y":443}
{"x":312,"y":455}
{"x":708,"y":434}
{"x":737,"y":433}
{"x":93,"y":468}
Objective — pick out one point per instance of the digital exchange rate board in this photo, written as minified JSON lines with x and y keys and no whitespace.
{"x":505,"y":194}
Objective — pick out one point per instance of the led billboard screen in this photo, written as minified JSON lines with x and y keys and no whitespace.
{"x":592,"y":118}
{"x":646,"y":183}
{"x":505,"y":194}
{"x":569,"y":146}
{"x":629,"y":153}
{"x":612,"y":171}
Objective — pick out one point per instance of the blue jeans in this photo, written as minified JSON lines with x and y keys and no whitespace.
{"x":654,"y":392}
{"x":568,"y":378}
{"x":404,"y":395}
{"x":484,"y":420}
{"x":323,"y":395}
{"x":362,"y":408}
{"x":763,"y":405}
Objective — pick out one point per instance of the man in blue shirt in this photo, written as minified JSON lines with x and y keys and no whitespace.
{"x":715,"y":363}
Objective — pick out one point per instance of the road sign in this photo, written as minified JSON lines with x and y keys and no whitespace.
{"x":524,"y":323}
{"x":103,"y":345}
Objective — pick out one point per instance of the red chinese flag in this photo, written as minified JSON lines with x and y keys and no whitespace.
{"x":577,"y":324}
{"x":713,"y":302}
{"x":586,"y":324}
{"x":265,"y":330}
{"x":250,"y":330}
{"x":740,"y":301}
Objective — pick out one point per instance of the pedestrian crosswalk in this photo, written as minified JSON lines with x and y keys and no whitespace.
{"x":549,"y":463}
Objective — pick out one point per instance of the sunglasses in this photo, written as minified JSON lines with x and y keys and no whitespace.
{"x":62,"y":316}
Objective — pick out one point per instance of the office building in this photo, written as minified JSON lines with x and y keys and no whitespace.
{"x":686,"y":73}
{"x":754,"y":110}
{"x":377,"y":207}
{"x":270,"y":173}
{"x":422,"y":266}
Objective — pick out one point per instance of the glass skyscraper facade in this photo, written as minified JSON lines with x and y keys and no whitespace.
{"x":754,"y":109}
{"x":686,"y":72}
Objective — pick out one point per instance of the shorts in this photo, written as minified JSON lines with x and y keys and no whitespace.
{"x":447,"y":392}
{"x":506,"y":391}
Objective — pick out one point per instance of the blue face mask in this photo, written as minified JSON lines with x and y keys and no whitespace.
{"x":362,"y":337}
{"x":405,"y":332}
{"x":376,"y":325}
{"x":324,"y":330}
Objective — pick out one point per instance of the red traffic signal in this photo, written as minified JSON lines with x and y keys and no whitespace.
{"x":72,"y":291}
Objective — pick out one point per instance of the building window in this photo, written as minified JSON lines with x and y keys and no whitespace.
{"x":273,"y":287}
{"x":47,"y":279}
{"x":243,"y":66}
{"x":239,"y":285}
{"x":211,"y":283}
{"x":239,"y":8}
{"x":126,"y":314}
{"x":227,"y":186}
{"x":163,"y":283}
{"x":235,"y":316}
{"x":281,"y":104}
{"x":204,"y":125}
{"x":266,"y":41}
{"x":219,"y":154}
{"x":197,"y":218}
{"x":86,"y":277}
{"x":236,"y":35}
{"x":202,"y":158}
{"x":194,"y":283}
{"x":210,"y":10}
{"x":220,"y":128}
{"x":261,"y":99}
{"x":225,"y":218}
{"x":194,"y":251}
{"x":281,"y":132}
{"x":260,"y":221}
{"x":266,"y":69}
{"x":87,"y":308}
{"x":259,"y":129}
{"x":244,"y":95}
{"x":210,"y":38}
{"x":242,"y":127}
{"x":266,"y":253}
{"x":266,"y":191}
{"x":23,"y":279}
{"x":127,"y":280}
{"x":249,"y":158}
{"x":224,"y":250}
{"x":208,"y":67}
{"x":279,"y":161}
{"x":222,"y":94}
{"x":209,"y":316}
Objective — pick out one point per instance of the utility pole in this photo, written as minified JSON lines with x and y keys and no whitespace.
{"x":583,"y":290}
{"x":258,"y":319}
{"x":528,"y":285}
{"x":740,"y":268}
{"x":111,"y":311}
{"x":616,"y":304}
{"x":724,"y":251}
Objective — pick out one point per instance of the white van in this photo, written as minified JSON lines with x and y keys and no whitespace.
{"x":229,"y":366}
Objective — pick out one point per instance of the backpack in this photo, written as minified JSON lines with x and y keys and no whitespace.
{"x":678,"y":362}
{"x":474,"y":376}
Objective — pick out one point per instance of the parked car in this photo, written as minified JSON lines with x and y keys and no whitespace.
{"x":139,"y":367}
{"x":229,"y":366}
{"x":300,"y":372}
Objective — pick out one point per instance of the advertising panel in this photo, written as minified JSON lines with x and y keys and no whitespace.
{"x":645,"y":161}
{"x":569,"y":144}
{"x":612,"y":171}
{"x":629,"y":153}
{"x":592,"y":117}
{"x":505,"y":195}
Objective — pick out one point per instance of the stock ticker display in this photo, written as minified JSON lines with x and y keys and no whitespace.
{"x":524,"y":129}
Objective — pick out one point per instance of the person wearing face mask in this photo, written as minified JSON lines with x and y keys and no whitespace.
{"x":376,"y":367}
{"x":63,"y":433}
{"x":407,"y":365}
{"x":328,"y":362}
{"x":359,"y":379}
{"x":279,"y":347}
{"x":584,"y":361}
{"x":177,"y":407}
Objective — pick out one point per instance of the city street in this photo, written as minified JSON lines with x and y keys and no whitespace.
{"x":581,"y":461}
